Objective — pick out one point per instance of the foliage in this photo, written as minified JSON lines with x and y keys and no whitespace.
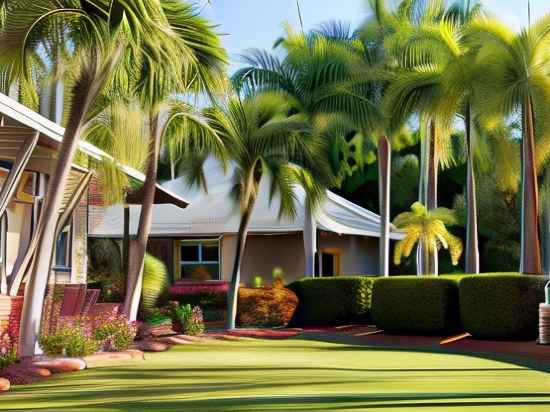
{"x":426,"y":227}
{"x":257,"y":281}
{"x":413,"y":304}
{"x":328,"y":301}
{"x":105,"y":269}
{"x":73,"y":337}
{"x":115,"y":333}
{"x":155,"y":280}
{"x":266,"y":307}
{"x":8,"y":351}
{"x":501,"y":306}
{"x":189,"y":319}
{"x":206,"y":300}
{"x":158,"y":317}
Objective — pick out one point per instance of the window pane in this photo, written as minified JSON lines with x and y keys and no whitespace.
{"x":200,"y":271}
{"x":210,"y":252}
{"x":61,"y":248}
{"x":328,"y":264}
{"x":189,"y":253}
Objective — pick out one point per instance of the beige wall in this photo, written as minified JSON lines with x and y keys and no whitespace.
{"x":358,"y":255}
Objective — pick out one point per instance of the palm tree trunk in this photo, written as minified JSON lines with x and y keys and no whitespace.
{"x":233,"y":294}
{"x":472,"y":248}
{"x":384,"y":165}
{"x":37,"y":277}
{"x":126,"y":240}
{"x":530,"y":237}
{"x":138,"y":247}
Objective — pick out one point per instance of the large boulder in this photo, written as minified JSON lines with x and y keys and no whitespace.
{"x":106,"y":358}
{"x":173,"y":340}
{"x":60,"y":365}
{"x":135,"y":354}
{"x":40,"y":372}
{"x":4,"y":385}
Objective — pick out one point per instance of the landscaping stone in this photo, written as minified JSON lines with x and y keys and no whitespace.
{"x":153,"y":346}
{"x":174,"y":340}
{"x":191,"y":338}
{"x":136,"y":354}
{"x":60,"y":365}
{"x":106,"y":358}
{"x":4,"y":385}
{"x":40,"y":372}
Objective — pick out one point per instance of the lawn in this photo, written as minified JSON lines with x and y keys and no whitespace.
{"x":294,"y":374}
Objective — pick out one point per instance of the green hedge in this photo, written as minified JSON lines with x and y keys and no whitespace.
{"x":501,"y":306}
{"x":412,"y":304}
{"x":330,"y":301}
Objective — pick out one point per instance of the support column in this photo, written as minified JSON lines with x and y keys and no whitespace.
{"x":310,"y":243}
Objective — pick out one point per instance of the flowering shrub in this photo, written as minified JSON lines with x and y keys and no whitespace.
{"x":115,"y":333}
{"x":73,"y":338}
{"x":266,"y":306}
{"x":8,"y":353}
{"x":188,"y":319}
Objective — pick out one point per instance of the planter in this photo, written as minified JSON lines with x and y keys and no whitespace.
{"x":544,"y":324}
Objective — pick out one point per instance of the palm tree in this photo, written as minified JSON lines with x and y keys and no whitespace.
{"x":514,"y":79}
{"x":202,"y":61}
{"x":427,"y":228}
{"x":266,"y":139}
{"x":100,"y":33}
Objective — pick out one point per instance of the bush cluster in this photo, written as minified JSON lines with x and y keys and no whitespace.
{"x":8,"y":351}
{"x":115,"y":333}
{"x":186,"y":318}
{"x":329,"y":301}
{"x":415,"y":304}
{"x":266,"y":306}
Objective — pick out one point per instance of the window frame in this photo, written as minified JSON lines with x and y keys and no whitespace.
{"x":200,"y":243}
{"x":67,"y":267}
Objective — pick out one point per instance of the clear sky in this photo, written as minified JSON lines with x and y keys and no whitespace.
{"x":258,"y":23}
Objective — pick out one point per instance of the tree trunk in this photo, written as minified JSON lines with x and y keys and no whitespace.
{"x":139,"y":246}
{"x":530,"y":237}
{"x":472,"y":248}
{"x":126,"y":240}
{"x":384,"y":165}
{"x":37,"y":277}
{"x":233,"y":294}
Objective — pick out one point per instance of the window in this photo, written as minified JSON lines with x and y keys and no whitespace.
{"x":63,"y":250}
{"x":330,"y":262}
{"x":199,"y":259}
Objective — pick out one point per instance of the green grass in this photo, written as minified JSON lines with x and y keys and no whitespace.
{"x":295,"y":374}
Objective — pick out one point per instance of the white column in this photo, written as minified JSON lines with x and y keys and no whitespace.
{"x":310,"y":243}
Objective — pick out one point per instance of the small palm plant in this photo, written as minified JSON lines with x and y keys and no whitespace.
{"x":427,"y":228}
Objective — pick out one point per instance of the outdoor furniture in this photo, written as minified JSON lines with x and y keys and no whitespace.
{"x":91,"y":298}
{"x":74,"y":297}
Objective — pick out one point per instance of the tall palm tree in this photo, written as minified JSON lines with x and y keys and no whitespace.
{"x":427,"y":227}
{"x":100,"y":33}
{"x":266,"y":139}
{"x":202,"y":61}
{"x":515,"y":71}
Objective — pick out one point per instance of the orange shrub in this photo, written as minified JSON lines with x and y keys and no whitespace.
{"x":266,"y":306}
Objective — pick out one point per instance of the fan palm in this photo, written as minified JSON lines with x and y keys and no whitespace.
{"x":99,"y":32}
{"x":427,"y":228}
{"x":515,"y":70}
{"x":265,"y":139}
{"x":202,"y":60}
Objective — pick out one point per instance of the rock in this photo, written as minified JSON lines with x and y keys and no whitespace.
{"x":153,"y":346}
{"x":60,"y":365}
{"x":4,"y":385}
{"x":106,"y":358}
{"x":135,"y":354}
{"x":191,"y":338}
{"x":173,"y":340}
{"x":41,"y":372}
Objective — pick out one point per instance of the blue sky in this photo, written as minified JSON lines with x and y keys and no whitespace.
{"x":257,"y":23}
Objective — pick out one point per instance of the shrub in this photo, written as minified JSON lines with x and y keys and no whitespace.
{"x":335,"y":300}
{"x":158,"y":317}
{"x":72,"y":338}
{"x":501,"y":305}
{"x":206,"y":300}
{"x":8,"y":352}
{"x":188,"y":319}
{"x":154,"y":282}
{"x":115,"y":333}
{"x":257,"y":281}
{"x":266,"y":306}
{"x":427,"y":305}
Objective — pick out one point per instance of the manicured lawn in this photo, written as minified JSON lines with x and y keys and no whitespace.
{"x":294,"y":374}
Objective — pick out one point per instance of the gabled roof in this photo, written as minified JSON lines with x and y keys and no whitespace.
{"x":214,"y":212}
{"x":51,"y":135}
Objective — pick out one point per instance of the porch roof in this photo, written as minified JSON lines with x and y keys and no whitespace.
{"x":17,"y":115}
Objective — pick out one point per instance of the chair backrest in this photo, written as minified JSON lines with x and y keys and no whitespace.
{"x":92,"y":295}
{"x":74,"y":297}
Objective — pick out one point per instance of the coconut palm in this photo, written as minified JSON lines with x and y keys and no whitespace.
{"x":202,"y":60}
{"x":427,"y":228}
{"x":100,"y":33}
{"x":515,"y":71}
{"x":266,"y":139}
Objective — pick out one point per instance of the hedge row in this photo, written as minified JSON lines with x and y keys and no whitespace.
{"x":330,"y":301}
{"x":498,"y":306}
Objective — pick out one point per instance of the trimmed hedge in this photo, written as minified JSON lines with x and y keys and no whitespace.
{"x":501,"y":306}
{"x":330,"y":301}
{"x":412,"y":304}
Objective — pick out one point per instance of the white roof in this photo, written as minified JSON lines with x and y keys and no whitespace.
{"x":54,"y":133}
{"x":215,"y":212}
